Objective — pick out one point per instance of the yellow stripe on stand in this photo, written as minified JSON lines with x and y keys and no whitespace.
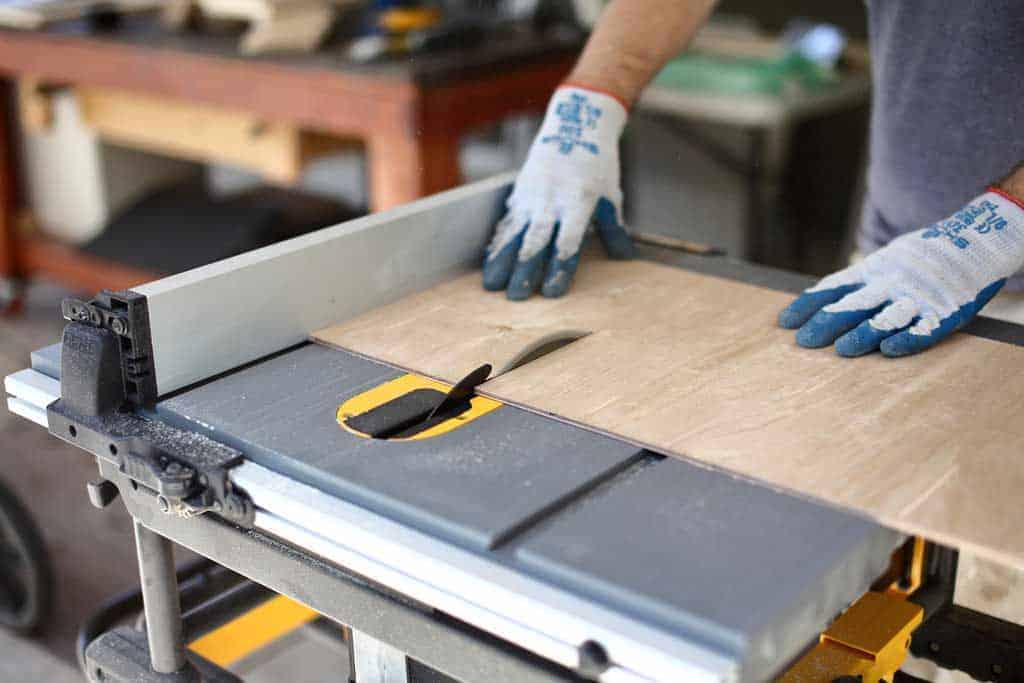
{"x":251,"y":631}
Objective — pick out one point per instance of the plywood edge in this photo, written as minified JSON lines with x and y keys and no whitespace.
{"x":758,"y":388}
{"x":895,"y":523}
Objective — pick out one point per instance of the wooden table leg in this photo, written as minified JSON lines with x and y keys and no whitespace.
{"x":404,"y":168}
{"x":9,"y":270}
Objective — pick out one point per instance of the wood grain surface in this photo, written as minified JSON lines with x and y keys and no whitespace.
{"x":695,"y":366}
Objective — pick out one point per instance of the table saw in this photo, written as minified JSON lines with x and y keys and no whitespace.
{"x":494,"y":544}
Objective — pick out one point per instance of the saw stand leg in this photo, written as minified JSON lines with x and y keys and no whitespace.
{"x":160,"y":598}
{"x":374,"y":661}
{"x":127,"y":655}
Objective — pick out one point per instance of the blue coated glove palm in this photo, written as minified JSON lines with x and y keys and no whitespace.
{"x":570,"y":179}
{"x":917,"y":290}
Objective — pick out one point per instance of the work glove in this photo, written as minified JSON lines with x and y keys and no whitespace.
{"x":571,"y":177}
{"x":918,"y":289}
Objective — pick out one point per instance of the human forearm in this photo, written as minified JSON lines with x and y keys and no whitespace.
{"x":1013,"y":183}
{"x":571,"y":176}
{"x":633,"y":40}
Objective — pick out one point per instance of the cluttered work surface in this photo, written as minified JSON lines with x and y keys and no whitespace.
{"x":694,"y":366}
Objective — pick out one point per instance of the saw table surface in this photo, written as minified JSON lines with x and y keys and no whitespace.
{"x":737,"y":568}
{"x":695,"y":366}
{"x":551,"y":530}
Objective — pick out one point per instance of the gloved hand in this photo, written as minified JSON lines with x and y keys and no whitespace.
{"x":918,"y":289}
{"x":570,"y":177}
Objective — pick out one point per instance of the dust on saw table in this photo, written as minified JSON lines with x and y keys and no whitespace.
{"x":694,"y":366}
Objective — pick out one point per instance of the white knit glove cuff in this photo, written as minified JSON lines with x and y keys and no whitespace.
{"x":931,"y":273}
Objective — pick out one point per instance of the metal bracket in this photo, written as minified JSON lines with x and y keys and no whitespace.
{"x":187,"y":472}
{"x":106,"y":371}
{"x":867,"y":643}
{"x":126,"y":316}
{"x":982,"y":646}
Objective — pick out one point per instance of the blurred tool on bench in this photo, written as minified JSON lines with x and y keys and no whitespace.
{"x":768,"y":92}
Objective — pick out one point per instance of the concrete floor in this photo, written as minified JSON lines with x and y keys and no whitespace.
{"x":27,"y":660}
{"x":92,"y":550}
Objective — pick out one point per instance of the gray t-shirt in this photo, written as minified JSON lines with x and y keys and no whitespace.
{"x":948,"y":112}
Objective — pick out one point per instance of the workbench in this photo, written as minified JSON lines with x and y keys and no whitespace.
{"x":504,"y":545}
{"x":767,"y":123}
{"x":410,"y":114}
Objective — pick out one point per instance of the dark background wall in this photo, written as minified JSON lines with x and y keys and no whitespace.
{"x":850,"y":15}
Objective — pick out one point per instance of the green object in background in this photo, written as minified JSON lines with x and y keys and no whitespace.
{"x":744,"y":75}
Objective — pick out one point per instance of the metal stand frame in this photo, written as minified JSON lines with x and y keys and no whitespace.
{"x":160,"y":598}
{"x":960,"y":639}
{"x":431,"y":645}
{"x":374,"y":661}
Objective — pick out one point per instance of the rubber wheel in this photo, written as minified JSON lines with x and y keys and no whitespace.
{"x":26,"y":576}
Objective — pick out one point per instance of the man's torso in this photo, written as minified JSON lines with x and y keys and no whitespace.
{"x":948,"y":112}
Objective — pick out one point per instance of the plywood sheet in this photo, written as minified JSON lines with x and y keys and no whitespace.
{"x":694,"y":365}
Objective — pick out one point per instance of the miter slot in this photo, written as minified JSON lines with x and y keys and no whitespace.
{"x":468,"y":485}
{"x":639,"y":460}
{"x":739,"y":568}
